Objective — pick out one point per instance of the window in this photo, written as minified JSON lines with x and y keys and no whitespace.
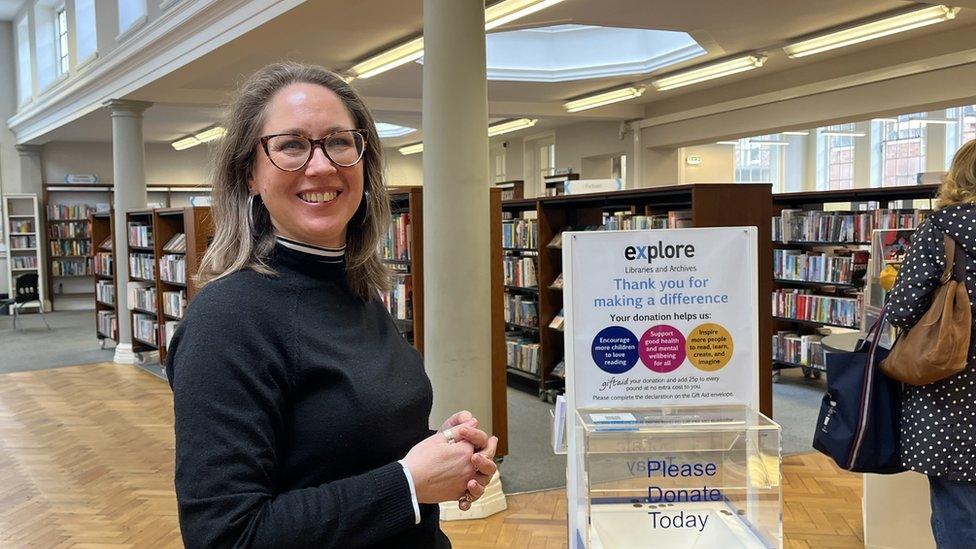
{"x":961,"y":132}
{"x":902,"y":150}
{"x":25,"y":84}
{"x":759,"y":162}
{"x":838,"y":157}
{"x":498,"y":167}
{"x":130,"y":13}
{"x":86,"y":39}
{"x":547,"y":159}
{"x":45,"y":45}
{"x":61,"y":26}
{"x":618,"y":168}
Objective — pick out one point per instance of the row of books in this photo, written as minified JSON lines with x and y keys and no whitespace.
{"x":520,"y":271}
{"x":23,"y":242}
{"x":142,"y":297}
{"x":177,"y":244}
{"x":23,"y":262}
{"x":68,"y":230}
{"x":839,"y":267}
{"x":675,"y":219}
{"x":793,"y":225}
{"x":396,"y":246}
{"x":169,"y":328}
{"x":21,"y":226}
{"x":103,"y":263}
{"x":63,"y":211}
{"x":106,"y":244}
{"x":804,"y":305}
{"x":108,"y":324}
{"x":523,"y":354}
{"x":172,"y":268}
{"x":140,"y":235}
{"x":174,"y":303}
{"x":142,"y":266}
{"x":399,"y":300}
{"x":70,"y":247}
{"x":794,"y":348}
{"x":144,"y":328}
{"x":520,"y":233}
{"x":105,"y":292}
{"x":521,"y":310}
{"x":71,"y":267}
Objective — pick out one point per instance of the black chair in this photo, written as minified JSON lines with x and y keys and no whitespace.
{"x":25,"y":293}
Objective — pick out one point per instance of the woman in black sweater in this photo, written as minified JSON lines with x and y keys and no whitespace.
{"x":301,"y":413}
{"x":939,"y":419}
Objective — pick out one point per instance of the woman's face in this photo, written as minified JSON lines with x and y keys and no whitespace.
{"x":315,"y":203}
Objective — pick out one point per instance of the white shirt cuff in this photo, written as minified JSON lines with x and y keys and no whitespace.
{"x":413,"y":492}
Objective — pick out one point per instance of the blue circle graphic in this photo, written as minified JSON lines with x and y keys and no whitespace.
{"x":614,"y":349}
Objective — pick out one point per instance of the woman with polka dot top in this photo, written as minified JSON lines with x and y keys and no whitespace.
{"x":938,"y":433}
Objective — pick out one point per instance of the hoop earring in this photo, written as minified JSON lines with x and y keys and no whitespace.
{"x":252,"y":223}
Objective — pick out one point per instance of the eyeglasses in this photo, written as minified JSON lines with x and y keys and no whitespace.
{"x":292,"y":152}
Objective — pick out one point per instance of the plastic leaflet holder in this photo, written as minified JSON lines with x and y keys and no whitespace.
{"x":681,"y":476}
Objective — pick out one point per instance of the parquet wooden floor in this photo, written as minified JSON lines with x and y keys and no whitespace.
{"x":86,"y":461}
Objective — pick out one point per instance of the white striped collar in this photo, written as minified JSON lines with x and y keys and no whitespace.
{"x":326,"y":255}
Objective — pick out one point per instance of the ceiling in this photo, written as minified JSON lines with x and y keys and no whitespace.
{"x":337,"y":34}
{"x":9,"y":8}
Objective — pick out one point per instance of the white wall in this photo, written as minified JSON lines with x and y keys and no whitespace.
{"x":164,"y":166}
{"x":9,"y":171}
{"x":587,"y":140}
{"x":403,"y":170}
{"x":717,"y":164}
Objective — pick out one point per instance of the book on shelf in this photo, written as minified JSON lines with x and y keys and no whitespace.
{"x":57,"y":212}
{"x":106,"y":244}
{"x":399,"y":300}
{"x":557,"y":321}
{"x":70,"y":247}
{"x":142,"y":295}
{"x":558,"y":283}
{"x":794,"y":225}
{"x":108,"y":324}
{"x":169,"y":328}
{"x":172,"y":268}
{"x":557,"y":241}
{"x":520,"y":271}
{"x":521,"y":232}
{"x":23,"y":262}
{"x":144,"y":327}
{"x":22,"y":242}
{"x":522,"y":354}
{"x":103,"y":263}
{"x":142,"y":266}
{"x":559,"y":370}
{"x":794,"y":348}
{"x":396,"y":246}
{"x":73,"y":229}
{"x":177,"y":244}
{"x":840,"y":266}
{"x":803,"y":304}
{"x":105,"y":292}
{"x":140,"y":235}
{"x":680,"y":219}
{"x":174,"y":303}
{"x":521,"y":310}
{"x":21,"y":226}
{"x":71,"y":267}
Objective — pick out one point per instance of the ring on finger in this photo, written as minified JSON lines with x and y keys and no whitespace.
{"x":467,"y":497}
{"x":449,"y":435}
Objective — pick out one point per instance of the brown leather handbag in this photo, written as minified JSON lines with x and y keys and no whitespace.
{"x":938,"y":346}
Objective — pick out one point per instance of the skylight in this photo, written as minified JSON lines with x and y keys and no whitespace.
{"x":576,"y":52}
{"x":392,"y":130}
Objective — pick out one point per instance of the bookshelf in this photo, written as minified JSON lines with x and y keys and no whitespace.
{"x":821,"y":253}
{"x":553,"y":185}
{"x":403,"y":252}
{"x":104,"y":273}
{"x":23,"y":238}
{"x":181,"y":238}
{"x":511,"y":190}
{"x":140,"y":287}
{"x":698,"y":205}
{"x":70,"y":267}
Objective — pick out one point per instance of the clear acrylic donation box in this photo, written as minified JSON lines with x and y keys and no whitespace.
{"x":683,"y":477}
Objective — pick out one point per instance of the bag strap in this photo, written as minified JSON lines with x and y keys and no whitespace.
{"x":950,"y":248}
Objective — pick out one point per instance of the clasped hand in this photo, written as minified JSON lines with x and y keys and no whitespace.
{"x":443,"y":470}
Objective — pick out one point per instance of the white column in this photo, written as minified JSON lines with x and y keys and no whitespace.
{"x":129,"y":178}
{"x":457,"y":283}
{"x":31,"y":176}
{"x":935,"y":143}
{"x":863,"y":147}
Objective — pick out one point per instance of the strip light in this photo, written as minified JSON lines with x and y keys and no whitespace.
{"x":185,"y":143}
{"x":601,"y":99}
{"x":511,"y":126}
{"x":799,"y":132}
{"x":411,"y":149}
{"x":871,"y":30}
{"x":726,"y":142}
{"x":843,"y":134}
{"x":211,"y":134}
{"x":769,"y":142}
{"x":496,"y":15}
{"x":709,"y":72}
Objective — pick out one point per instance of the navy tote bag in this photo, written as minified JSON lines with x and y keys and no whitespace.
{"x":860,"y":416}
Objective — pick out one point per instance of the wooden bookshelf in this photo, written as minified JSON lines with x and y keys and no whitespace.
{"x":710,"y":207}
{"x":511,"y":190}
{"x":143,"y":218}
{"x":553,"y":184}
{"x":885,"y":197}
{"x":103,"y":241}
{"x":23,"y":234}
{"x":409,"y":200}
{"x":196,"y":224}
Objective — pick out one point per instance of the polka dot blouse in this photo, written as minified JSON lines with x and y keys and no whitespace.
{"x":938,"y":433}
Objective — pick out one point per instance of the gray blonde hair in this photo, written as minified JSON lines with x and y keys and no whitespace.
{"x":245,"y":240}
{"x":959,"y":184}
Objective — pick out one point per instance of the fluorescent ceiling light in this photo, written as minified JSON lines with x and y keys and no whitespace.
{"x":871,"y":30}
{"x":386,"y":130}
{"x":884,"y":120}
{"x":709,"y":72}
{"x":843,"y":134}
{"x":935,"y":121}
{"x":507,"y":11}
{"x":411,"y":149}
{"x":389,"y":59}
{"x":496,"y":15}
{"x":211,"y":134}
{"x":768,"y":142}
{"x":511,"y":126}
{"x":185,"y":143}
{"x":601,"y":99}
{"x":799,"y":132}
{"x":726,"y":142}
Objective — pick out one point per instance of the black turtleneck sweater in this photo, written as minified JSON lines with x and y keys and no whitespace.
{"x":293,"y":401}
